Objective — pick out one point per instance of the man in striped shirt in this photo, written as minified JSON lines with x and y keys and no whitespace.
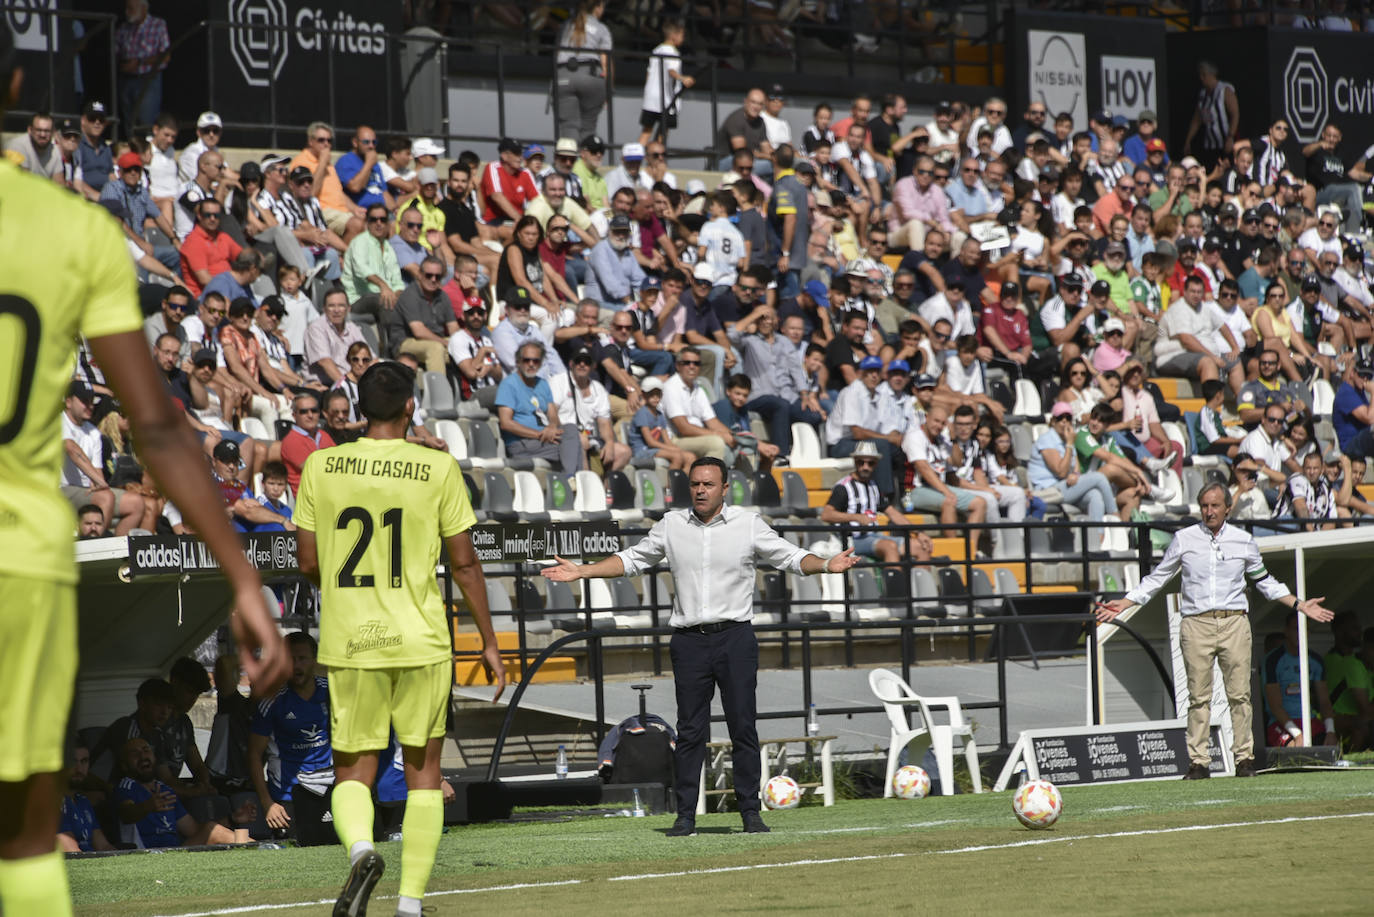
{"x":298,"y":209}
{"x":856,"y":500}
{"x":1215,"y":118}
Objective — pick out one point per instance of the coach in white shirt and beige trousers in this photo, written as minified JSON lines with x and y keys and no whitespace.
{"x":1217,"y":560}
{"x":712,"y":550}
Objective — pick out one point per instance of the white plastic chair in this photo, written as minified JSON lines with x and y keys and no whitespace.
{"x":897,"y":697}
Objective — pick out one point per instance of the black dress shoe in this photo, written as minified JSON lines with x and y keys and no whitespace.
{"x":362,"y":878}
{"x":1197,"y":772}
{"x":753,"y":824}
{"x":1245,"y":767}
{"x":683,"y":827}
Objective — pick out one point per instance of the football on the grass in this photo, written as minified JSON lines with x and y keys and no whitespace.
{"x":781,"y":793}
{"x":1037,"y":804}
{"x":911,"y":782}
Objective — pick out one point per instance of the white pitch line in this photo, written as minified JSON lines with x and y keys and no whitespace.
{"x":253,"y":909}
{"x":1030,"y":842}
{"x":1033,"y":842}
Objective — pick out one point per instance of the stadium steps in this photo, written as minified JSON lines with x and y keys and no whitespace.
{"x":1174,"y":389}
{"x":810,"y":476}
{"x":468,"y":671}
{"x":1188,"y":405}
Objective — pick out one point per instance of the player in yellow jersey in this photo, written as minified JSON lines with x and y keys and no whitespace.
{"x":64,"y":272}
{"x":370,"y":517}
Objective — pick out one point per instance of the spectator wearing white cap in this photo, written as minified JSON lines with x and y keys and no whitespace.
{"x":855,"y":501}
{"x":209,"y":130}
{"x":630,"y":172}
{"x":564,"y":159}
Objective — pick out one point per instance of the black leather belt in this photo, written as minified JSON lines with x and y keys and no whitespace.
{"x":575,"y":65}
{"x":713,"y":628}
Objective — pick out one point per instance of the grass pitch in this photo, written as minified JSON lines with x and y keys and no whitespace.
{"x":1145,"y":848}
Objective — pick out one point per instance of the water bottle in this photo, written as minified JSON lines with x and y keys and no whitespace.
{"x":639,"y":806}
{"x":813,"y":725}
{"x":560,"y":768}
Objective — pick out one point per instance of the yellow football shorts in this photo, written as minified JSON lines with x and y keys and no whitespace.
{"x":365,"y":703}
{"x":37,"y":674}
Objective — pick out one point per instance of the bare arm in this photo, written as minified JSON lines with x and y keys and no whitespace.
{"x":467,"y":573}
{"x":173,"y":456}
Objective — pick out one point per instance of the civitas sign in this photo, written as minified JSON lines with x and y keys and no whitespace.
{"x":267,"y":32}
{"x":1057,"y":72}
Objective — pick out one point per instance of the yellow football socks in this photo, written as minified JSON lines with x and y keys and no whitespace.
{"x":352,"y":808}
{"x":421,"y":829}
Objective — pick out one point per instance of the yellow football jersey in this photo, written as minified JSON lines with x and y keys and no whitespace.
{"x":379,"y":510}
{"x":64,"y":272}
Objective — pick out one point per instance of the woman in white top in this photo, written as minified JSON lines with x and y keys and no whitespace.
{"x":1030,"y":245}
{"x":1079,"y":393}
{"x":583,"y":71}
{"x":1068,"y":199}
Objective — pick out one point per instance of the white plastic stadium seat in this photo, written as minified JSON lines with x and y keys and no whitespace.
{"x":1323,"y":399}
{"x":1027,"y":400}
{"x":897,"y":697}
{"x":253,"y":427}
{"x":806,"y":450}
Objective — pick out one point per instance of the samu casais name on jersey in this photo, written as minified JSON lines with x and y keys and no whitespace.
{"x":376,"y":468}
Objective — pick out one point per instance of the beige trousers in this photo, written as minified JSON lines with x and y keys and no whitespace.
{"x":432,"y":353}
{"x":702,"y":446}
{"x":1227,"y":640}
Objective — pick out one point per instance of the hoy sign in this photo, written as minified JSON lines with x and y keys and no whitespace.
{"x":1129,"y":85}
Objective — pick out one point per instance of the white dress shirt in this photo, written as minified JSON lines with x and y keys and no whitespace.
{"x":1215,"y":571}
{"x":855,"y":406}
{"x":712,"y":564}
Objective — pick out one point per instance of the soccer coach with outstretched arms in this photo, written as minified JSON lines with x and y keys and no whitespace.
{"x":1217,"y":560}
{"x":712,"y":550}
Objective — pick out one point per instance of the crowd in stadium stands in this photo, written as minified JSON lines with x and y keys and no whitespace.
{"x":917,"y":285}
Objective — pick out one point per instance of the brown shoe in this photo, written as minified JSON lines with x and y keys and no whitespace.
{"x":1245,"y":767}
{"x":1197,"y":772}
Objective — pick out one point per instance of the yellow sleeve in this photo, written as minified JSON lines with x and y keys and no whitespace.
{"x":111,"y":302}
{"x":455,"y":509}
{"x":304,"y":514}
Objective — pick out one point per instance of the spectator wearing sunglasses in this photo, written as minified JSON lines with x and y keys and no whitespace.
{"x":372,"y":275}
{"x":209,"y":130}
{"x":175,"y":306}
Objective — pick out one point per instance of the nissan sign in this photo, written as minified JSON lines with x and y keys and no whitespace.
{"x":1057,"y":72}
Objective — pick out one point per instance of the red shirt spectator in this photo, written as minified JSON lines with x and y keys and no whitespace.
{"x":1011,"y":325}
{"x":305,"y":438}
{"x":515,"y":183}
{"x":204,"y":252}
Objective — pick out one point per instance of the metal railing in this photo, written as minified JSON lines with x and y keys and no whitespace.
{"x":95,"y":27}
{"x":795,"y":635}
{"x":200,"y":45}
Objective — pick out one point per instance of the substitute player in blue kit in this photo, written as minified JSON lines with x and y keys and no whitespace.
{"x":295,"y":791}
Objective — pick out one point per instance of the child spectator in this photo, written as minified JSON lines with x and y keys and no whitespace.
{"x":273,"y":497}
{"x":735,"y":416}
{"x":649,"y":434}
{"x":299,"y":310}
{"x":720,"y":245}
{"x":1214,"y":436}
